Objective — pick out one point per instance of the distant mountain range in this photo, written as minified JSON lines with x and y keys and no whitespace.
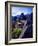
{"x":22,"y":17}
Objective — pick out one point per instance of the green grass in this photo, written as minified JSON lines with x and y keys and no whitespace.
{"x":17,"y":32}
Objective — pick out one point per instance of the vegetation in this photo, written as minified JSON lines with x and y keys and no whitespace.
{"x":16,"y":33}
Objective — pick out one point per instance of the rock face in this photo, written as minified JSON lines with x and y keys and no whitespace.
{"x":28,"y":33}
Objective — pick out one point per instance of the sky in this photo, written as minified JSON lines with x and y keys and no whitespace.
{"x":18,"y":10}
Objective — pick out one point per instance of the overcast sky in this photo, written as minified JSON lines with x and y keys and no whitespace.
{"x":18,"y":10}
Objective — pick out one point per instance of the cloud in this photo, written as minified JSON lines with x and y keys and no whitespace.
{"x":18,"y":10}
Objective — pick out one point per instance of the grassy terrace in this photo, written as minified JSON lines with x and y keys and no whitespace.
{"x":16,"y":32}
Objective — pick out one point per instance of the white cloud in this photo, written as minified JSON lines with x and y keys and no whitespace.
{"x":19,"y":10}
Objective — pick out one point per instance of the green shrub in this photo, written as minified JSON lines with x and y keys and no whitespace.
{"x":16,"y":33}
